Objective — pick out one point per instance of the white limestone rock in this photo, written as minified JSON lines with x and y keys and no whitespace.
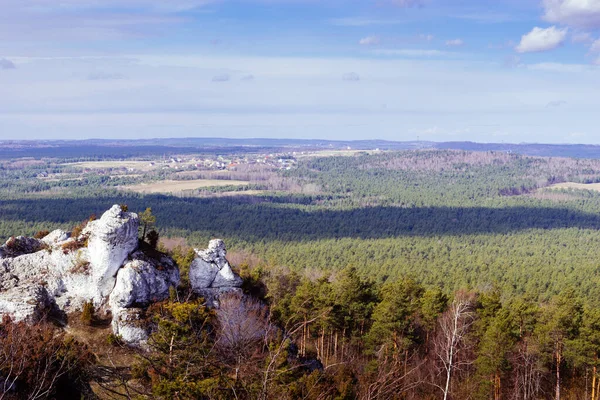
{"x":111,"y":239}
{"x":18,"y":246}
{"x":226,"y":278}
{"x":55,"y":237}
{"x":202,"y":274}
{"x":211,"y":269}
{"x":143,"y":281}
{"x":129,"y":324}
{"x":102,"y":265}
{"x":25,"y":303}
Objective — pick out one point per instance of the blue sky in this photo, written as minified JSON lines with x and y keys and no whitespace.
{"x":443,"y":70}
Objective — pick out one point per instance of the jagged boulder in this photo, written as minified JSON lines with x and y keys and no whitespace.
{"x":211,"y":273}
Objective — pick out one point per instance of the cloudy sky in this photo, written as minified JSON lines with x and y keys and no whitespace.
{"x":481,"y":70}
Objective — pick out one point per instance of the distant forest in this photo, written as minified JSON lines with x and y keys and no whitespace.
{"x":118,"y":149}
{"x":448,"y":218}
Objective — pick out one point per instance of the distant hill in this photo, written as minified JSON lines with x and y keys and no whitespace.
{"x":132,"y":148}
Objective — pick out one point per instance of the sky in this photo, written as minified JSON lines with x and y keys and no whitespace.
{"x":508,"y":71}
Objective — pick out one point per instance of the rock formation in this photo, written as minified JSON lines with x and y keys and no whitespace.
{"x":103,"y":266}
{"x":211,"y":274}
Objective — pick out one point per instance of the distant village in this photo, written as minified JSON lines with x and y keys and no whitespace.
{"x":283,"y":161}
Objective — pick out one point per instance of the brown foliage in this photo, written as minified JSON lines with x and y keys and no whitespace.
{"x":87,"y":313}
{"x":77,"y":229}
{"x":41,"y":234}
{"x":36,"y":362}
{"x":73,"y":245}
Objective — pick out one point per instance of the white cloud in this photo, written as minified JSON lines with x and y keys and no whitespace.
{"x":540,"y":39}
{"x":104,"y":76}
{"x":351,"y":77}
{"x":484,"y":17}
{"x":556,"y":103}
{"x":427,"y":37}
{"x":370,"y":41}
{"x":407,"y":3}
{"x":81,"y":20}
{"x":362,"y":21}
{"x":512,"y":61}
{"x":559,"y":67}
{"x":172,"y":95}
{"x":411,"y":52}
{"x":47,"y":6}
{"x":579,"y":13}
{"x":595,"y":47}
{"x":6,"y":64}
{"x":221,"y":78}
{"x":582,"y":37}
{"x":455,"y":42}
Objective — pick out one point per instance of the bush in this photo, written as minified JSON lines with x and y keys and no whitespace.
{"x":73,"y":245}
{"x":87,"y":313}
{"x":41,"y":234}
{"x":152,"y":238}
{"x":41,"y":362}
{"x":81,"y":266}
{"x":77,"y":229}
{"x":114,"y":340}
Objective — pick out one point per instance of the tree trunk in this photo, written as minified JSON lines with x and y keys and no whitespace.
{"x":497,"y":386}
{"x":594,"y":383}
{"x":558,"y":361}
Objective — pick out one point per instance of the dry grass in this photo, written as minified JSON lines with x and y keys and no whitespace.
{"x":172,"y":242}
{"x":169,"y":186}
{"x":573,"y":185}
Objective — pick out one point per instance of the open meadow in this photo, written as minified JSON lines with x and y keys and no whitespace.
{"x":170,"y":186}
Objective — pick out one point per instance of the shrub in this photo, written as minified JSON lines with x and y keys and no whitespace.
{"x":12,"y":243}
{"x":81,"y":266}
{"x":77,"y":229}
{"x":73,"y":245}
{"x":114,"y":340}
{"x":42,"y":361}
{"x":41,"y":234}
{"x":87,"y":313}
{"x":152,"y":238}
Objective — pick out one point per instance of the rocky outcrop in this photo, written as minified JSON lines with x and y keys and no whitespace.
{"x":111,"y":239}
{"x":210,"y":273}
{"x":103,"y":266}
{"x":28,"y":303}
{"x":17,"y":246}
{"x":140,"y":282}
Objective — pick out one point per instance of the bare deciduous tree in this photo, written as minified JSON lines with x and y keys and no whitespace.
{"x":449,"y":342}
{"x":33,"y":359}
